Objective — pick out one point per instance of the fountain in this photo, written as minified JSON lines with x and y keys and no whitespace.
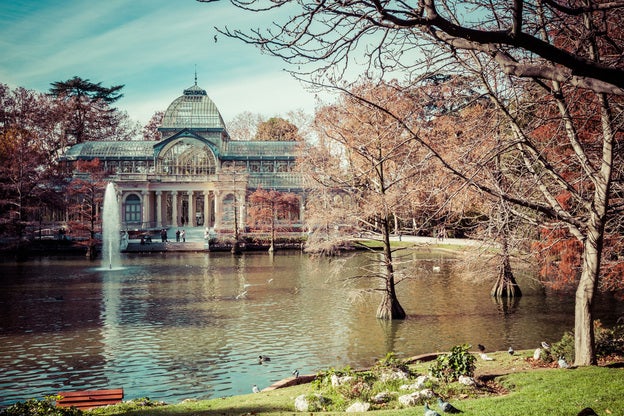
{"x":110,"y":229}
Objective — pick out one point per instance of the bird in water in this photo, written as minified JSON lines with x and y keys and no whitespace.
{"x":510,"y":351}
{"x":446,"y":407}
{"x":295,"y":373}
{"x":430,"y":412}
{"x":263,"y":359}
{"x":481,"y":347}
{"x":562,"y":362}
{"x":255,"y":389}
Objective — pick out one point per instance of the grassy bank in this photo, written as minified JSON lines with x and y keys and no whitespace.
{"x":514,"y":387}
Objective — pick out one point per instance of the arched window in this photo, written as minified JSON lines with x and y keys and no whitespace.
{"x":132,"y":210}
{"x":187,"y":157}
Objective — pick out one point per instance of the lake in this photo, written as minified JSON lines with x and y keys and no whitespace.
{"x":171,"y":326}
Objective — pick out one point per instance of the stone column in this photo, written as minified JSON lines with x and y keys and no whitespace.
{"x":146,"y":220}
{"x":159,"y":208}
{"x":217,"y":209}
{"x":191,"y":209}
{"x":207,"y":202}
{"x":242,"y":212}
{"x":174,"y":208}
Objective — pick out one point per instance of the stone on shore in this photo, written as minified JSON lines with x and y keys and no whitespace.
{"x":358,"y":407}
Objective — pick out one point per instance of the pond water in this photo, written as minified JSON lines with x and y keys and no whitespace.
{"x":191,"y":325}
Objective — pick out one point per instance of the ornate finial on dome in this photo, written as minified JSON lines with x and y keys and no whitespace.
{"x":195,"y":89}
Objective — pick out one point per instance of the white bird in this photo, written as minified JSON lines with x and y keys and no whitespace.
{"x":510,"y":351}
{"x":436,"y":268}
{"x":485,"y":357}
{"x":241,"y":295}
{"x":255,"y":389}
{"x":545,"y":345}
{"x":563,"y":363}
{"x":269,"y":281}
{"x":295,"y":373}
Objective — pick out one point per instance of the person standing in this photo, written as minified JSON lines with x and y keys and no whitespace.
{"x":178,"y":236}
{"x":183,"y":234}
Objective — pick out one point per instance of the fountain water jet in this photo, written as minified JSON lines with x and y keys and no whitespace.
{"x":110,"y":229}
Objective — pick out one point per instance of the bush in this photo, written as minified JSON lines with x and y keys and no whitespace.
{"x":609,"y":341}
{"x":564,"y":348}
{"x":459,"y":362}
{"x":34,"y":407}
{"x":390,"y":362}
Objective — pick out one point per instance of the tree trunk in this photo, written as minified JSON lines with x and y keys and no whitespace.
{"x":506,"y":286}
{"x":584,"y":340}
{"x":389,"y":308}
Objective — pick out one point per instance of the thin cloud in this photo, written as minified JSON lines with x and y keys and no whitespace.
{"x":152,"y":47}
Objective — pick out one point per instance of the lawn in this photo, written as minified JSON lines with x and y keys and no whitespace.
{"x":516,"y":387}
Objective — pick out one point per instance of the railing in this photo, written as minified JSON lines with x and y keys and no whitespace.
{"x":122,"y":177}
{"x":275,"y":180}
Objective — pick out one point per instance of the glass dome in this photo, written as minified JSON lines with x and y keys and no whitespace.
{"x":195,"y":110}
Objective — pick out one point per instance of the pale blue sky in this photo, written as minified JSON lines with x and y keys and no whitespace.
{"x":151,"y":46}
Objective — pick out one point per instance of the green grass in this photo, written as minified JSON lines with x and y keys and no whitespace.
{"x":554,"y":392}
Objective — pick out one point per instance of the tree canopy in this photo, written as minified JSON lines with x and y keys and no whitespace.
{"x":276,"y":129}
{"x":87,"y":112}
{"x":78,"y":88}
{"x":553,"y":71}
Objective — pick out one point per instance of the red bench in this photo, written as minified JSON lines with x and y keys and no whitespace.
{"x":88,"y":399}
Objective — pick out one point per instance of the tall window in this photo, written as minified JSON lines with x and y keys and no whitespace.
{"x":133,"y":209}
{"x":188,"y":157}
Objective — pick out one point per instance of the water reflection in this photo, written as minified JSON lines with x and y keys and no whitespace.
{"x":173,"y":326}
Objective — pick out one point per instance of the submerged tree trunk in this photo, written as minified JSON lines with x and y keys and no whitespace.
{"x":389,"y":308}
{"x":505,"y":286}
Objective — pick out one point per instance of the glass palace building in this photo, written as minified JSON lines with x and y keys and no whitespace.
{"x":195,"y":175}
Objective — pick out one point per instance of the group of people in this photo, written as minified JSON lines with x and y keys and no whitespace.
{"x":146,"y":238}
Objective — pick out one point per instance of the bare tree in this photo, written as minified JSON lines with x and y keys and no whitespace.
{"x":244,"y":125}
{"x":369,"y":176}
{"x":571,"y":51}
{"x":269,"y":209}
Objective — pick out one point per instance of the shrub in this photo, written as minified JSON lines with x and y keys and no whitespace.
{"x":459,"y":362}
{"x":34,"y":407}
{"x":390,"y":361}
{"x":609,"y":341}
{"x":563,"y":348}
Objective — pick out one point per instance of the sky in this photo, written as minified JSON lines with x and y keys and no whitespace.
{"x":152,"y":47}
